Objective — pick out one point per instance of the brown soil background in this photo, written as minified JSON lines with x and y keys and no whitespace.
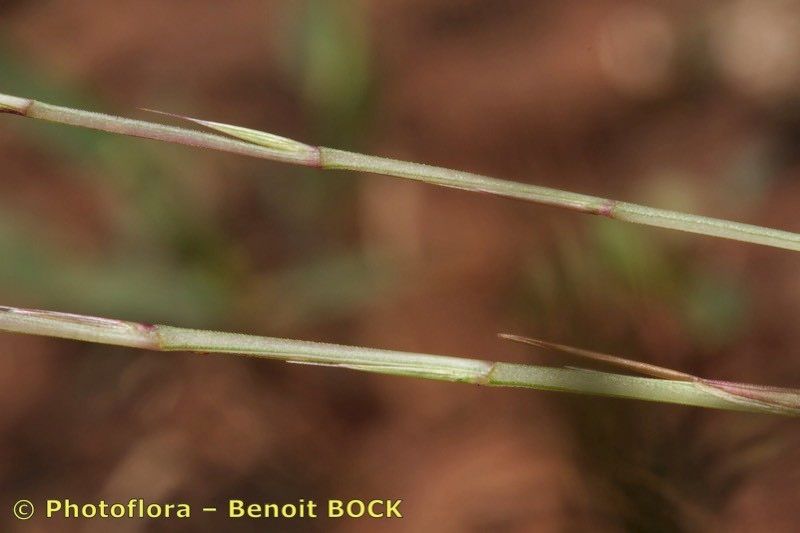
{"x":673,"y":104}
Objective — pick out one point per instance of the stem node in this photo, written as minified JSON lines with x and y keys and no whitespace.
{"x":14,"y":105}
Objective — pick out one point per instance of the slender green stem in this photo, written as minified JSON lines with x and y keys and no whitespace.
{"x":263,"y":145}
{"x":299,"y":154}
{"x":734,"y":397}
{"x":648,"y":216}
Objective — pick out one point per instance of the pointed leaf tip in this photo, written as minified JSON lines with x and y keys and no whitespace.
{"x":261,"y":138}
{"x":620,"y":362}
{"x":257,"y":137}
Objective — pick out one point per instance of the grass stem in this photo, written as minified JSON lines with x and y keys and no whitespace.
{"x":264,"y":145}
{"x":696,"y":392}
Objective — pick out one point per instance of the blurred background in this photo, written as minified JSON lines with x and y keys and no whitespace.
{"x":684,"y":105}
